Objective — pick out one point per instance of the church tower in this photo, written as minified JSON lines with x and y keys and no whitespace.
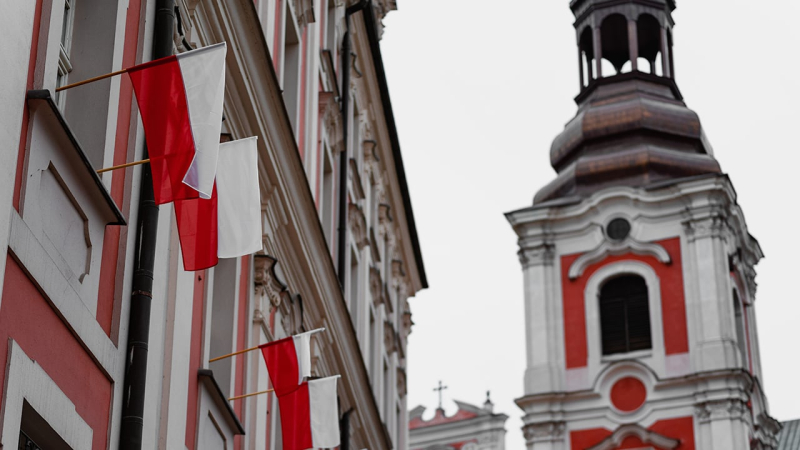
{"x":638,"y":266}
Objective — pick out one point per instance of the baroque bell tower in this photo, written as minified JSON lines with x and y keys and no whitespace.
{"x":638,"y":266}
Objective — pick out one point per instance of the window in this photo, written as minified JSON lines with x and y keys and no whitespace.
{"x":624,"y":315}
{"x":355,"y":306}
{"x":327,"y":195}
{"x":291,"y":71}
{"x":64,"y":64}
{"x":36,"y":434}
{"x":223,"y":316}
{"x":741,"y":336}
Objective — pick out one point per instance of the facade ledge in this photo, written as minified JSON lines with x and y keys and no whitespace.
{"x":41,"y":101}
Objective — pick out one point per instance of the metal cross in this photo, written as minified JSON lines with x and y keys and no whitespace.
{"x":440,"y":389}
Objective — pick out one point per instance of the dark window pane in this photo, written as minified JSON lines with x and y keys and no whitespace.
{"x":624,"y":315}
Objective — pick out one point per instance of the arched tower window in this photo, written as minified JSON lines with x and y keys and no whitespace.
{"x":625,"y":315}
{"x":614,"y":37}
{"x":649,"y":36}
{"x":741,"y":337}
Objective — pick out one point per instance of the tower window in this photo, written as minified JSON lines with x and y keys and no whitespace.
{"x":614,"y":37}
{"x":741,"y":336}
{"x":625,"y":315}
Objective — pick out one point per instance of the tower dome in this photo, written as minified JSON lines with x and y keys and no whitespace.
{"x":632,"y":127}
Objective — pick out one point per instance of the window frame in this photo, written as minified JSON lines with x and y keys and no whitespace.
{"x":655,"y":357}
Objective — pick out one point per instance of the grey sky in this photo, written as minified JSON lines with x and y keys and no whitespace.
{"x":480,"y":89}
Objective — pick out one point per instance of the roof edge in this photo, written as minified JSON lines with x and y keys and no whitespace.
{"x":374,"y":44}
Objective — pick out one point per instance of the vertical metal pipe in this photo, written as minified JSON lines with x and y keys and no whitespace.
{"x":341,"y":250}
{"x":344,"y":430}
{"x":134,"y":387}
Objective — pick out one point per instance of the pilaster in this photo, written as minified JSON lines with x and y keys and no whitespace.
{"x":708,"y":288}
{"x":723,"y":425}
{"x":545,"y":435}
{"x":542,"y":318}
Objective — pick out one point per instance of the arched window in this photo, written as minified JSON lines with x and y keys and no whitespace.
{"x":625,"y":315}
{"x":614,"y":39}
{"x":648,"y":30}
{"x":741,"y":337}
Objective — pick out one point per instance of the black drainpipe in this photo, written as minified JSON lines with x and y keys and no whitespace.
{"x":344,"y":430}
{"x":133,"y":391}
{"x":343,"y":161}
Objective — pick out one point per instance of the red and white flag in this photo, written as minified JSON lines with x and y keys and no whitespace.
{"x":288,"y":361}
{"x":309,"y":417}
{"x":227,"y":225}
{"x":180,"y":100}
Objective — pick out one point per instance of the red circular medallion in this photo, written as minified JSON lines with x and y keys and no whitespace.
{"x":628,"y":394}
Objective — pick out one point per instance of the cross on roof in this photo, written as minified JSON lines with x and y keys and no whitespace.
{"x":440,"y":389}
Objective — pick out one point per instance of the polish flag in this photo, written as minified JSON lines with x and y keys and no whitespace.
{"x":288,"y":361}
{"x":309,"y":417}
{"x":227,"y":225}
{"x":180,"y":100}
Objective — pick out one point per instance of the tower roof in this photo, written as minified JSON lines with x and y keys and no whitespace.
{"x":632,"y":127}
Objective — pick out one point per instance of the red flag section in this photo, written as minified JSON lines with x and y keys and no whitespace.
{"x":282,"y":365}
{"x":162,"y":104}
{"x":197,"y":228}
{"x":309,"y":417}
{"x":295,"y":409}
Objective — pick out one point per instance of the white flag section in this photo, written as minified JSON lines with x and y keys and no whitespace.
{"x":302,"y":345}
{"x":238,"y":199}
{"x":203,"y":72}
{"x":324,"y":416}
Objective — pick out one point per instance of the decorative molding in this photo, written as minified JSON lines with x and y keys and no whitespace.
{"x":358,"y":223}
{"x":646,"y":436}
{"x":407,"y":322}
{"x":376,"y":286}
{"x":292,"y":314}
{"x":539,"y":255}
{"x":608,"y":248}
{"x":401,"y":382}
{"x":373,"y":246}
{"x":304,"y":10}
{"x":384,"y":214}
{"x":728,"y":409}
{"x":712,"y":226}
{"x":389,"y":337}
{"x":544,"y":432}
{"x":355,"y":174}
{"x":266,"y":281}
{"x":398,"y":270}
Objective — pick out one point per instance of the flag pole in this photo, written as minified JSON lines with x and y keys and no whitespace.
{"x":234,"y":354}
{"x":90,"y":80}
{"x":251,"y":394}
{"x":122,"y":166}
{"x":247,"y":349}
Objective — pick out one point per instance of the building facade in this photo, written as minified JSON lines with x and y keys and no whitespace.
{"x":638,"y":266}
{"x":470,"y":428}
{"x":340,"y":248}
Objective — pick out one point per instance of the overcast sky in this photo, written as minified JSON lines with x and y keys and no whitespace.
{"x":480,"y":89}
